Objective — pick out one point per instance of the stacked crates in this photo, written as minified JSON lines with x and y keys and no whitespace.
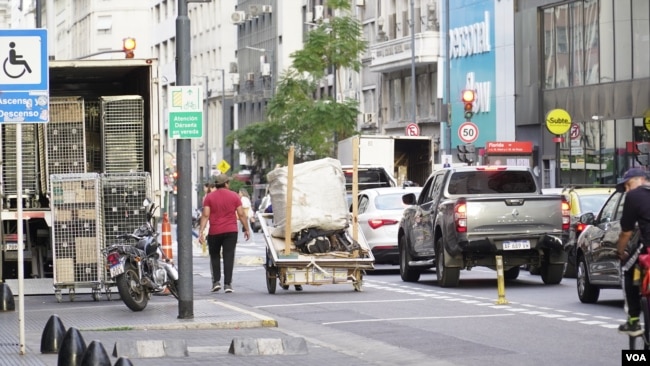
{"x":122,"y":200}
{"x":30,"y":165}
{"x":93,"y":136}
{"x":66,"y":141}
{"x":122,"y":121}
{"x":77,"y":233}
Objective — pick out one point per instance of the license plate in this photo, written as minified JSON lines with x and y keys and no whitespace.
{"x":516,"y":244}
{"x":117,"y":269}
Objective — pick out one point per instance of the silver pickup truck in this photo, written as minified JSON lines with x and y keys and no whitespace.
{"x":466,"y":216}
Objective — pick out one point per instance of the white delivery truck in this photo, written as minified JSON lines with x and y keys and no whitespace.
{"x":104,"y":118}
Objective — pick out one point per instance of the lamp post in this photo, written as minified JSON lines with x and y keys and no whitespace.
{"x":207,"y":129}
{"x":223,"y":101}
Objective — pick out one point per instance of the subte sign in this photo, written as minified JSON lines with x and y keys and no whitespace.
{"x":468,"y":132}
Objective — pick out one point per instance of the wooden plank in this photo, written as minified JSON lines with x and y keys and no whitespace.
{"x":287,"y":226}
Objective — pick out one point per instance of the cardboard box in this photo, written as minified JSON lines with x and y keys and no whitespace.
{"x":86,"y":250}
{"x":69,"y":197}
{"x":91,"y":196}
{"x":70,"y":186}
{"x":62,"y":215}
{"x":66,"y":109}
{"x":80,"y":195}
{"x":86,"y":214}
{"x":64,"y":270}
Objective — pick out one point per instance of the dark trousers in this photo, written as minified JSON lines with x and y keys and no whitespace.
{"x":227,"y":242}
{"x":632,"y":294}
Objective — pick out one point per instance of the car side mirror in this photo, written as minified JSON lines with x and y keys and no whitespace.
{"x":587,"y":218}
{"x":409,"y":199}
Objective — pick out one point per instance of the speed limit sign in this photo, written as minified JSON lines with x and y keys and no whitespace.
{"x":468,"y":132}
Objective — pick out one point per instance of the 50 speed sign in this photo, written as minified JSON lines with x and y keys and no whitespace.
{"x":468,"y":132}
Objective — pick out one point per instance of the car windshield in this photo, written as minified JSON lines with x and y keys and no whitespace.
{"x":489,"y":182}
{"x":593,"y":202}
{"x":368,"y":178}
{"x":391,"y":201}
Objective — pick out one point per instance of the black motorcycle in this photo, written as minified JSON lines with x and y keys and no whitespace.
{"x":138,"y":265}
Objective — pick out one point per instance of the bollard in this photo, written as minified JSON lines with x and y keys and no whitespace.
{"x":95,"y":355}
{"x":52,"y":336}
{"x":72,"y":349}
{"x":167,"y":237}
{"x":6,"y":298}
{"x":501,"y":291}
{"x":123,"y":361}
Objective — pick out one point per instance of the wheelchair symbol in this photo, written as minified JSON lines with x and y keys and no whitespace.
{"x":15,"y":59}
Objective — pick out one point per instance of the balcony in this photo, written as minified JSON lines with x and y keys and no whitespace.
{"x":395,"y":54}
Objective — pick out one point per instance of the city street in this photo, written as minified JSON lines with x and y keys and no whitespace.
{"x":540,"y":325}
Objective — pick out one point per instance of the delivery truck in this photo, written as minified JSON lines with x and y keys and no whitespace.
{"x":104,"y":119}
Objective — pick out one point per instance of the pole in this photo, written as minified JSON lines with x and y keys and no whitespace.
{"x":413,"y":88}
{"x":447,"y":135}
{"x":184,"y":168}
{"x":223,"y":98}
{"x":207,"y":130}
{"x":21,"y":240}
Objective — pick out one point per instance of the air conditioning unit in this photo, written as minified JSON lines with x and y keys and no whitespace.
{"x":238,"y":17}
{"x":235,"y":79}
{"x":254,"y":10}
{"x":250,"y":76}
{"x":267,"y":8}
{"x":266,"y":69}
{"x":368,"y":118}
{"x":318,"y":12}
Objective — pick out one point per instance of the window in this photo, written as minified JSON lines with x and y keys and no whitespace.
{"x":641,"y":38}
{"x":104,"y":24}
{"x":395,"y":97}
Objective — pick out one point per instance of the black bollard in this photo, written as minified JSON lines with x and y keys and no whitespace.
{"x":6,"y":298}
{"x":123,"y":361}
{"x":52,"y":335}
{"x":95,"y":355}
{"x":72,"y":348}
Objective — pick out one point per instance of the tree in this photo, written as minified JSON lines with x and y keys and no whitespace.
{"x":294,"y":115}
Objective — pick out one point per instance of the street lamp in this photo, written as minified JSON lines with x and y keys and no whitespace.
{"x":207,"y":129}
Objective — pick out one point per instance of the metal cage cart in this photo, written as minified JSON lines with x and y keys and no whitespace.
{"x":123,"y":195}
{"x":122,"y":121}
{"x":77,"y":234}
{"x":66,"y":140}
{"x":30,"y":162}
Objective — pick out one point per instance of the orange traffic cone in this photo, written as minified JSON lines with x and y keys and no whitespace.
{"x":167,"y":237}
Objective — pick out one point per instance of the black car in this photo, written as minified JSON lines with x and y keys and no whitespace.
{"x":598,"y":266}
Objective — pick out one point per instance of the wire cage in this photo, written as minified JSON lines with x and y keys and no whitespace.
{"x":30,"y":166}
{"x":66,"y":139}
{"x":77,"y":232}
{"x":122,"y":122}
{"x":123,"y":195}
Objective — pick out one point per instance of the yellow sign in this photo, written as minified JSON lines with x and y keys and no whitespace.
{"x":558,"y":121}
{"x":646,"y":120}
{"x":223,"y":166}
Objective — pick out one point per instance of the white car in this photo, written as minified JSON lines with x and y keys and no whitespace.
{"x":379,"y":212}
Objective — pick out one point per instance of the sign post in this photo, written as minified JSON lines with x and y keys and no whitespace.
{"x":24,"y":82}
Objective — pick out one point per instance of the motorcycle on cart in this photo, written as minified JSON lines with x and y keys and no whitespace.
{"x":139,"y":266}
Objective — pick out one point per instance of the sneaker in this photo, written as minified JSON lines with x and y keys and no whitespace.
{"x":227,"y":288}
{"x":216,"y":287}
{"x":633,"y":329}
{"x":298,"y":287}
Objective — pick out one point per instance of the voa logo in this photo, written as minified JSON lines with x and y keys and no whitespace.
{"x":483,"y":90}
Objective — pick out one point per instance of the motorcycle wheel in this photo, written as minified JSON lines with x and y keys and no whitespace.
{"x":132,"y":292}
{"x":173,"y":288}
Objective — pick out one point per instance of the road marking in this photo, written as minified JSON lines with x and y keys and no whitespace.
{"x":335,"y":302}
{"x":417,"y":318}
{"x":572,"y":319}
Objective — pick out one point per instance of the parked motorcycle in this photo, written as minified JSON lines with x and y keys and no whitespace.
{"x":138,"y":265}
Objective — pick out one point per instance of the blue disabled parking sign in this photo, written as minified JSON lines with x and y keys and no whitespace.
{"x":24,"y":78}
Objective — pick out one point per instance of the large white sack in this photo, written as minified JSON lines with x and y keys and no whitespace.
{"x":318,"y":196}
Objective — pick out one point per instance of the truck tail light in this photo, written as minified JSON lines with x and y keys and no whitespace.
{"x":460,"y":216}
{"x":377,"y":223}
{"x":566,"y":214}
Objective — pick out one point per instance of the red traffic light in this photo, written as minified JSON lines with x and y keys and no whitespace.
{"x":128,"y":45}
{"x":468,"y":96}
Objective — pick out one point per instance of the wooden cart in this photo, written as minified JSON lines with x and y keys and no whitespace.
{"x":296,"y":268}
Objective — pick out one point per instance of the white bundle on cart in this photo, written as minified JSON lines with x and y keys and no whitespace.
{"x":318,"y":197}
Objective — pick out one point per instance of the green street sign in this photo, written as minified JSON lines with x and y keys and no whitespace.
{"x":185,"y":112}
{"x":186,"y":125}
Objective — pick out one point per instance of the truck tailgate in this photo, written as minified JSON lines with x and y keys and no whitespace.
{"x":514,"y":215}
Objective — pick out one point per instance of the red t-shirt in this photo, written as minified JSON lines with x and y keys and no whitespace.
{"x":223,"y":205}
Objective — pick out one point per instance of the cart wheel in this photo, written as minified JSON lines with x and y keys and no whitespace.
{"x":71,"y":294}
{"x":58,"y":295}
{"x":285,"y":287}
{"x":96,"y":295}
{"x":271,"y":280}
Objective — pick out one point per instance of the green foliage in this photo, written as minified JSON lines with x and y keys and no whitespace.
{"x":294,"y":116}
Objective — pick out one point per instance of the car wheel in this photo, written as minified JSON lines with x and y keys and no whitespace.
{"x":511,"y":274}
{"x":552,"y":273}
{"x":587,"y":293}
{"x":447,"y":276}
{"x":407,"y":273}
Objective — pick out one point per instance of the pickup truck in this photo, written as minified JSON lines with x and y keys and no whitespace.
{"x":466,"y":216}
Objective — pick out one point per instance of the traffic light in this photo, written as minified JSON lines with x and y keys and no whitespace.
{"x":643,"y":157}
{"x":468,"y":97}
{"x":128,"y":45}
{"x":467,"y":153}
